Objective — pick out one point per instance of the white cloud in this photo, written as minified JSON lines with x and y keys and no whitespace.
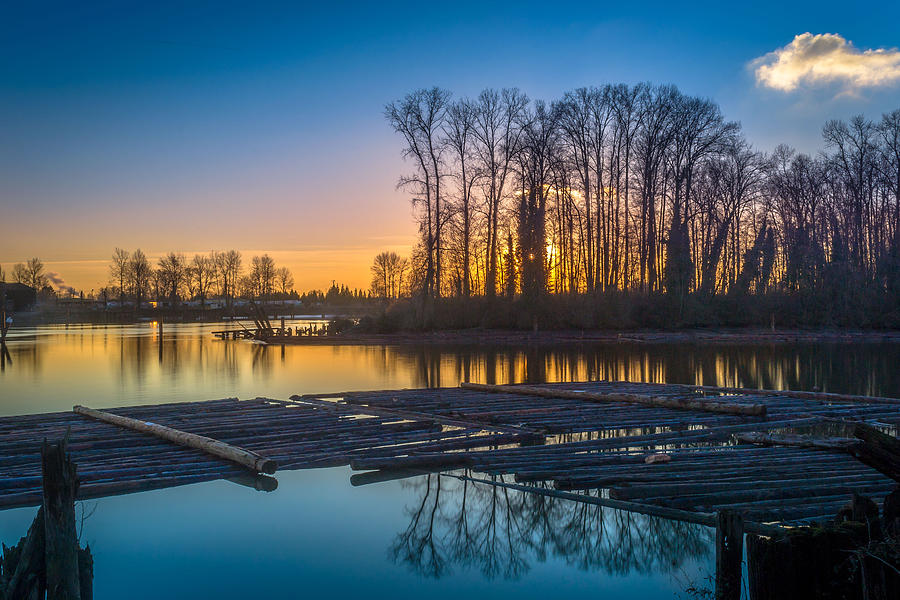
{"x":827,"y":58}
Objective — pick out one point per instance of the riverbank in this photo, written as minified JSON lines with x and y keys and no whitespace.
{"x":498,"y":337}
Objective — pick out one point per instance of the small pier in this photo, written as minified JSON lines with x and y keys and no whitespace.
{"x":680,"y":451}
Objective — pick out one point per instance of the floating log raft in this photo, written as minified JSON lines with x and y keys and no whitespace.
{"x":295,"y":435}
{"x":760,"y":467}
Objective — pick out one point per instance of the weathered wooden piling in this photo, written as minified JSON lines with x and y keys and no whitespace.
{"x":729,"y":554}
{"x":48,"y":560}
{"x":60,"y":536}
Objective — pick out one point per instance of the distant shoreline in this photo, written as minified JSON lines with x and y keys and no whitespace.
{"x":498,"y":337}
{"x":490,"y":336}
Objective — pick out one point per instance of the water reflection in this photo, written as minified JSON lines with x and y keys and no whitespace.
{"x":115,"y":365}
{"x":499,"y":532}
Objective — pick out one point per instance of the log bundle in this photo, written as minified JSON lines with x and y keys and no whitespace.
{"x":751,"y":455}
{"x":114,"y":458}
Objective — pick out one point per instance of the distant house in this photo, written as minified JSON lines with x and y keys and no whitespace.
{"x":18,"y":296}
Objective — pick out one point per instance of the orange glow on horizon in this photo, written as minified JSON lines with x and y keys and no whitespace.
{"x":311,"y":268}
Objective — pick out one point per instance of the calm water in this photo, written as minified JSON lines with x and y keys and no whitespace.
{"x":422,"y":537}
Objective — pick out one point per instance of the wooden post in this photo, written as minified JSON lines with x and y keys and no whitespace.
{"x":48,"y":561}
{"x":60,"y":537}
{"x":729,"y":554}
{"x":4,"y":327}
{"x":159,"y":326}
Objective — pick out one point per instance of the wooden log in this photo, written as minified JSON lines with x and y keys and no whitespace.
{"x":246,"y":458}
{"x":729,"y":408}
{"x":729,"y":554}
{"x":789,"y":491}
{"x":370,"y":477}
{"x":878,"y":450}
{"x":798,"y":441}
{"x":803,"y":395}
{"x":453,"y":460}
{"x":60,"y":537}
{"x":735,"y":484}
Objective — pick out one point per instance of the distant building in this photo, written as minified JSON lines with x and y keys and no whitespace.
{"x":18,"y":296}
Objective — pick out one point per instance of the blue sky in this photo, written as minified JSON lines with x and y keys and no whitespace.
{"x":175,"y":127}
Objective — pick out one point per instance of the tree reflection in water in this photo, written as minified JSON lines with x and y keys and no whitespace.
{"x":500,"y":531}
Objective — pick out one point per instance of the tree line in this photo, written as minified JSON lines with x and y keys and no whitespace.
{"x":30,"y":273}
{"x":644,"y":189}
{"x":176,"y":278}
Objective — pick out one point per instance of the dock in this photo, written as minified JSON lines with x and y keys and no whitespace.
{"x":678,"y":450}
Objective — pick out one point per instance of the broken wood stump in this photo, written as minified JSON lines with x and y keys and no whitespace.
{"x":846,"y":559}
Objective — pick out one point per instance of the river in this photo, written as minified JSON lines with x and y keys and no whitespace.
{"x":433,"y":537}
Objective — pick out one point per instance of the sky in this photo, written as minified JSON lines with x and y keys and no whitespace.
{"x":259,"y":126}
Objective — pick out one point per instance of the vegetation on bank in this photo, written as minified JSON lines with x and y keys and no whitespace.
{"x":619,"y":310}
{"x":210,"y":285}
{"x":637,"y":206}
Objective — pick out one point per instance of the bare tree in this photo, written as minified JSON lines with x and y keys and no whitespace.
{"x":534,"y":164}
{"x":458,"y":129}
{"x":228,"y":272}
{"x":140,"y":273}
{"x":31,"y":273}
{"x":387,"y":274}
{"x":419,"y":118}
{"x":285,"y":280}
{"x":174,"y":272}
{"x":497,"y":130}
{"x":262,"y":276}
{"x":118,"y":271}
{"x":201,"y":274}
